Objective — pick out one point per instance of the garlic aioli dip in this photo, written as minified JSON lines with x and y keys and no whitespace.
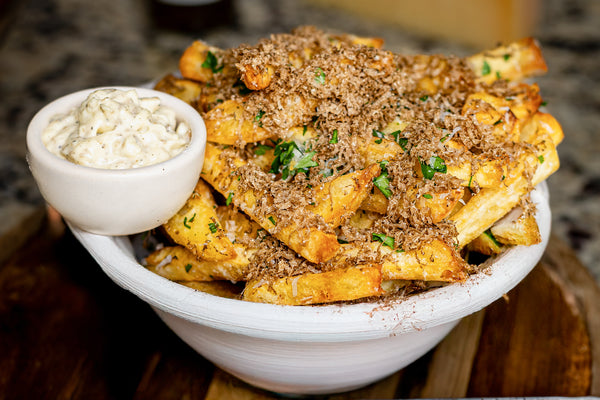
{"x":116,"y":129}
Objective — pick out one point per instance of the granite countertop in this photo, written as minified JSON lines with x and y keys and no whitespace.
{"x":52,"y":47}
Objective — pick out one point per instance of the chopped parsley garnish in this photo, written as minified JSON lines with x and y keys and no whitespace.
{"x":186,"y":221}
{"x":285,"y":153}
{"x":498,"y":75}
{"x":385,"y":239}
{"x":424,"y":98}
{"x":382,"y":182}
{"x":334,"y":137}
{"x":229,"y":199}
{"x":342,"y":241}
{"x":213,"y":227}
{"x":188,"y":267}
{"x":258,"y":117}
{"x":319,"y":76}
{"x":506,"y":57}
{"x":490,"y":235}
{"x":212,"y":63}
{"x":378,"y":134}
{"x":403,"y":142}
{"x":544,"y":103}
{"x":436,"y":164}
{"x":261,"y":149}
{"x":498,"y":122}
{"x":272,"y":220}
{"x":428,"y":196}
{"x":485,"y":69}
{"x":306,"y":162}
{"x":541,"y":159}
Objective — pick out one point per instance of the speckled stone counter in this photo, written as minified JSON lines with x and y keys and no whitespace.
{"x":53,"y":47}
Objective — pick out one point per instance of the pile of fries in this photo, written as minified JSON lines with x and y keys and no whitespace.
{"x":216,"y":242}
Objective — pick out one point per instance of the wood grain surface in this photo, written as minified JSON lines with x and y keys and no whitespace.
{"x":68,"y":332}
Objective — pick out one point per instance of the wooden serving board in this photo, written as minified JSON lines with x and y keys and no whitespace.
{"x":67,"y":331}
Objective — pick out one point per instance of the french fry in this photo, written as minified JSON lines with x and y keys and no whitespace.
{"x":184,"y":89}
{"x":514,"y":62}
{"x":491,"y":204}
{"x":196,"y":226}
{"x":542,"y":124}
{"x":343,"y":284}
{"x":311,"y":243}
{"x":485,"y":244}
{"x":433,"y":261}
{"x":193,"y":63}
{"x":517,"y":228}
{"x":227,"y":123}
{"x":179,"y":264}
{"x":256,"y":77}
{"x":338,"y":199}
{"x":216,"y":288}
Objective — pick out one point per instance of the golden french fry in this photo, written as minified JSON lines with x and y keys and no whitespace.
{"x":197,"y":227}
{"x":491,"y":204}
{"x":217,"y":288}
{"x":200,"y":61}
{"x":184,"y":89}
{"x":316,"y":288}
{"x":338,"y":199}
{"x":228,"y":123}
{"x":542,"y":124}
{"x":311,"y":243}
{"x":433,"y":261}
{"x":179,"y":264}
{"x":257,"y":77}
{"x":485,"y":244}
{"x":517,"y":228}
{"x":514,"y":62}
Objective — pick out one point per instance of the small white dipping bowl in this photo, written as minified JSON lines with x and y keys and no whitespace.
{"x":315,"y":349}
{"x":116,"y":201}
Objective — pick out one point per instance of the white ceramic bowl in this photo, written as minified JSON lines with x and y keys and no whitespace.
{"x":110,"y":201}
{"x":315,"y":349}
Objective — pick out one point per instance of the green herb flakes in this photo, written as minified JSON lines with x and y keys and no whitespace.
{"x":378,"y":134}
{"x":485,"y":69}
{"x":188,"y":267}
{"x":334,"y":137}
{"x":229,"y":199}
{"x":436,"y":164}
{"x":212,"y":63}
{"x":385,"y":239}
{"x":213,"y":226}
{"x":319,"y":76}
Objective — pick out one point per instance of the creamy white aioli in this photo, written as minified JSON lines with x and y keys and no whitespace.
{"x":115,"y":129}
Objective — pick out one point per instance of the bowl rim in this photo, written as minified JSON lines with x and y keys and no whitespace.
{"x":184,"y":111}
{"x":326,"y":323}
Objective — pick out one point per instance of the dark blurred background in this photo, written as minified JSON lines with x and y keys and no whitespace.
{"x":52,"y":47}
